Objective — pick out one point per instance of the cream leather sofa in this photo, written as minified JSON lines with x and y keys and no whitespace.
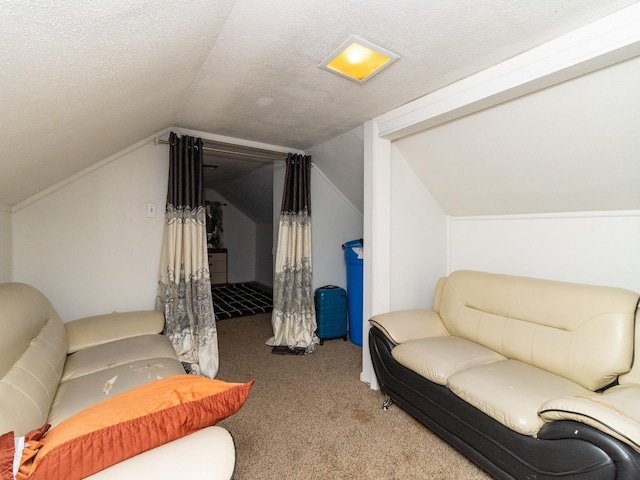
{"x":49,"y":371}
{"x":529,"y":378}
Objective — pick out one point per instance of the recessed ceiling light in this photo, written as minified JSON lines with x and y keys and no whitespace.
{"x":358,"y":59}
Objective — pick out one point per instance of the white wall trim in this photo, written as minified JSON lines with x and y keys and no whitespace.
{"x":377,"y":237}
{"x":600,"y":44}
{"x":545,"y":216}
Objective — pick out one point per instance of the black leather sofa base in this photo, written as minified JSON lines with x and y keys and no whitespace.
{"x":563,"y":449}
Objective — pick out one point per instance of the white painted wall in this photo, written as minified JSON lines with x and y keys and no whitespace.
{"x":5,"y":244}
{"x":599,"y":248}
{"x":264,"y":257}
{"x":335,"y":220}
{"x":418,"y":238}
{"x":88,"y":244}
{"x":342,"y":160}
{"x":239,"y":240}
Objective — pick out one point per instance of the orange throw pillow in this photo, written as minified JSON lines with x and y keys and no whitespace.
{"x":131,"y":423}
{"x":7,"y":451}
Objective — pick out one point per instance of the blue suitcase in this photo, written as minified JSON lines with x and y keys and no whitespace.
{"x":331,"y":312}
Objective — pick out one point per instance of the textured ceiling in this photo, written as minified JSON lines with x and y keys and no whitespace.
{"x":82,"y":80}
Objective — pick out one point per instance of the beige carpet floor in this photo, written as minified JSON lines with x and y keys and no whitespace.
{"x":310,"y":417}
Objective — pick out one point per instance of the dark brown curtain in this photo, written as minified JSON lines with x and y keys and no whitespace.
{"x":296,"y":196}
{"x":184,"y":285}
{"x":185,"y":172}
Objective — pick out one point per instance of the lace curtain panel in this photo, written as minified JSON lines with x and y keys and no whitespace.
{"x":293,"y":318}
{"x":184,"y":285}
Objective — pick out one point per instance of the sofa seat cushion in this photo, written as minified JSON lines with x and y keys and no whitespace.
{"x":512,"y":392}
{"x":113,"y":354}
{"x":437,"y":358}
{"x":615,"y":412}
{"x":82,"y":392}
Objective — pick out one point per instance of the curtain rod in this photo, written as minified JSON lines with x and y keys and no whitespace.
{"x":159,"y":141}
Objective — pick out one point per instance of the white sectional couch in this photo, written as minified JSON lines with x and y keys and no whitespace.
{"x":50,"y":371}
{"x":529,"y":378}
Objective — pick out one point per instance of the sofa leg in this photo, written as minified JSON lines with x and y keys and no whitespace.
{"x":387,"y":402}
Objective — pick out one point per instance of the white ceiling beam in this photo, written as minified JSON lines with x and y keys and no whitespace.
{"x":603,"y":43}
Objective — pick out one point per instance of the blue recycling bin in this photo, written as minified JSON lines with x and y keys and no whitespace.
{"x":353,"y":256}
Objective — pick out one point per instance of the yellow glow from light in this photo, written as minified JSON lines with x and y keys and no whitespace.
{"x":356,"y":53}
{"x":357,"y":61}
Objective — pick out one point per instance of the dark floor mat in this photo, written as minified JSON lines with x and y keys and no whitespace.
{"x":239,"y":300}
{"x":286,"y":350}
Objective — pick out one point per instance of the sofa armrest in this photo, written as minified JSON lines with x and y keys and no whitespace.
{"x":402,"y":325}
{"x":615,"y":412}
{"x":99,"y":329}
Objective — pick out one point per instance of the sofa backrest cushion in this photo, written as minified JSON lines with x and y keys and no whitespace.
{"x":581,"y":332}
{"x":33,"y":347}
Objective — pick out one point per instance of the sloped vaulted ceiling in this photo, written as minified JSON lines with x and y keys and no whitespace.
{"x":83,"y":80}
{"x":568,"y":148}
